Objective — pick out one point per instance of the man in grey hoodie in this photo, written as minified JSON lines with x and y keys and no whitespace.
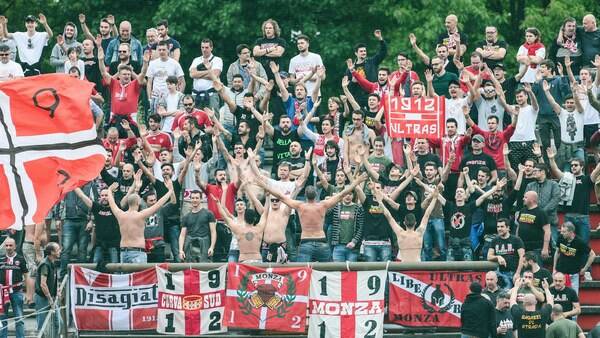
{"x":64,"y":41}
{"x":548,"y":192}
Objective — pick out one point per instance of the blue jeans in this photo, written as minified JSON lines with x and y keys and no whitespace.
{"x":341,"y":254}
{"x":234,"y":256}
{"x":378,"y":253}
{"x":134,"y":257}
{"x":73,"y":231}
{"x":506,"y":277}
{"x":42,"y":307}
{"x":313,"y":251}
{"x":16,"y":301}
{"x":113,"y":255}
{"x":582,"y":225}
{"x":434,"y":233}
{"x":172,"y":234}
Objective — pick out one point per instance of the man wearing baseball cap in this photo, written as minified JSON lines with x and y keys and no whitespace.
{"x":30,"y":44}
{"x":478,"y":159}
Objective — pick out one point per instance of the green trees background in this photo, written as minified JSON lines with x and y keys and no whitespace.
{"x":333,"y":25}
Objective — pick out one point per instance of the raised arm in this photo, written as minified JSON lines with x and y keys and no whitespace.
{"x":555,"y":106}
{"x":83,"y":197}
{"x":154,"y":208}
{"x":142,"y":75}
{"x":331,"y":202}
{"x":44,"y":22}
{"x":285,"y":95}
{"x":568,"y":64}
{"x":101,"y":65}
{"x":388,"y":215}
{"x":84,"y":27}
{"x":434,"y":199}
{"x":413,"y":42}
{"x":111,"y":201}
{"x":510,"y":172}
{"x":556,"y":172}
{"x":498,"y":187}
{"x":283,"y":198}
{"x":349,"y":96}
{"x":534,"y":102}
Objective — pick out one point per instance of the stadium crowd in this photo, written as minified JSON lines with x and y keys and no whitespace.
{"x":255,"y":165}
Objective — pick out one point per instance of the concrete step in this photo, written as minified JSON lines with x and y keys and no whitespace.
{"x":589,"y":293}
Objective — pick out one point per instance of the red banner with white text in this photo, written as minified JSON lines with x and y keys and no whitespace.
{"x":429,"y":298}
{"x":408,"y":117}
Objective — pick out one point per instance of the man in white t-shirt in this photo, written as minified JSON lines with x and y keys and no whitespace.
{"x":30,"y":44}
{"x":454,"y":106}
{"x":205,"y":94}
{"x":488,"y":104}
{"x":302,"y":65}
{"x":521,"y":143}
{"x":158,"y":71}
{"x":8,"y":69}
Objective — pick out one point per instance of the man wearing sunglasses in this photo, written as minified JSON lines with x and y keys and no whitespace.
{"x":30,"y":44}
{"x":9,"y":69}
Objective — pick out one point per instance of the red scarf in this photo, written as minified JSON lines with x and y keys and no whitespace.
{"x":531,"y":49}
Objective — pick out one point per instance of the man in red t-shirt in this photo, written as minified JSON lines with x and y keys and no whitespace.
{"x":117,"y":146}
{"x":225,"y":192}
{"x":157,"y":138}
{"x":124,"y":92}
{"x":188,"y":106}
{"x":494,"y":138}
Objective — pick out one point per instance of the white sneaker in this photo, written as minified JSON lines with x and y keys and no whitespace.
{"x":587,"y":276}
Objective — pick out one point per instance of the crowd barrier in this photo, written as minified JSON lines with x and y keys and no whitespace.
{"x":478,"y":266}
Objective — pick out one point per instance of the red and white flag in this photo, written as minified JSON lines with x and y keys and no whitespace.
{"x":48,"y":145}
{"x":408,"y":117}
{"x":107,"y":302}
{"x":267,"y":299}
{"x":191,"y":302}
{"x":429,"y":298}
{"x":348,"y":304}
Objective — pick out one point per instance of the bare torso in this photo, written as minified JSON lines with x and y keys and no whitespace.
{"x":354,"y":142}
{"x":249,"y":241}
{"x":410,"y":243}
{"x":131,"y":224}
{"x":312,"y":217}
{"x":276,"y":224}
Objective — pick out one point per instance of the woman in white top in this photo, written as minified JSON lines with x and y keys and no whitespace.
{"x":531,"y":54}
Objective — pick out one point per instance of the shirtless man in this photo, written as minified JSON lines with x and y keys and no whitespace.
{"x":132,"y":223}
{"x":274,"y":244}
{"x":357,"y":134}
{"x":248,"y":235}
{"x":410,"y":241}
{"x":313,"y":244}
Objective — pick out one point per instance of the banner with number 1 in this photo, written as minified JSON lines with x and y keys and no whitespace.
{"x":346,"y":304}
{"x":191,"y":302}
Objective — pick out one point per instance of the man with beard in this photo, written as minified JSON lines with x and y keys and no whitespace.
{"x":236,"y":92}
{"x":533,"y":226}
{"x":13,"y":274}
{"x":64,"y":41}
{"x":132,"y":223}
{"x":521,"y":143}
{"x":549,"y":196}
{"x":441,"y":77}
{"x":488,"y":101}
{"x":159,"y":71}
{"x":357,"y":135}
{"x":573,"y":257}
{"x":157,"y":138}
{"x":244,"y":66}
{"x":30,"y":44}
{"x":282,"y":138}
{"x":92,"y":73}
{"x":189,"y":110}
{"x":568,"y":43}
{"x":198,"y":235}
{"x":492,"y":49}
{"x":246,"y":112}
{"x":505,"y":327}
{"x":301,"y":65}
{"x":565,"y":296}
{"x":576,"y":199}
{"x":381,"y":87}
{"x":107,"y":30}
{"x":135,"y":47}
{"x":371,"y":109}
{"x":106,"y":227}
{"x":441,"y":51}
{"x":494,"y":137}
{"x":366,"y":66}
{"x":125,"y":59}
{"x":509,"y":251}
{"x":528,"y":320}
{"x":190,"y":136}
{"x":319,"y":140}
{"x":477,"y":159}
{"x":163,"y":35}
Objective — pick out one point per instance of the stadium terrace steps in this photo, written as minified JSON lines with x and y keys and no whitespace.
{"x":589,"y":292}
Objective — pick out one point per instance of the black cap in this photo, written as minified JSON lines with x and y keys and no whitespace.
{"x":475,"y":287}
{"x":498,"y":65}
{"x":30,"y":18}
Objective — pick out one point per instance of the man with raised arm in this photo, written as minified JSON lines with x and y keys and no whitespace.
{"x":313,"y":244}
{"x":132,"y":223}
{"x":410,"y":241}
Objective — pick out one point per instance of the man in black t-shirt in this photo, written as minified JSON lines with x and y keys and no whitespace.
{"x":505,"y":327}
{"x":590,"y":40}
{"x":424,"y":155}
{"x":530,"y":322}
{"x":533,"y":226}
{"x":572,"y":256}
{"x":106,"y":227}
{"x":492,"y":49}
{"x":565,"y":296}
{"x":508,"y":251}
{"x":576,"y":208}
{"x":452,"y":38}
{"x":282,"y":138}
{"x":198,"y":233}
{"x":269,"y":47}
{"x":477,"y":159}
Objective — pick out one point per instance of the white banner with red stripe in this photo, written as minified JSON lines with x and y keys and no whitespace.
{"x":347,"y":304}
{"x":191,"y":302}
{"x":107,"y":302}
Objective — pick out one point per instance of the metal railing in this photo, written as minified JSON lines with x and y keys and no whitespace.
{"x":55,"y":319}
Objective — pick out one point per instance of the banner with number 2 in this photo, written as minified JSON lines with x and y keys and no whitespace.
{"x":346,"y":304}
{"x":191,"y":302}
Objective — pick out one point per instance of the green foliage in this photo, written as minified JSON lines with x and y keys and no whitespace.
{"x":333,"y":25}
